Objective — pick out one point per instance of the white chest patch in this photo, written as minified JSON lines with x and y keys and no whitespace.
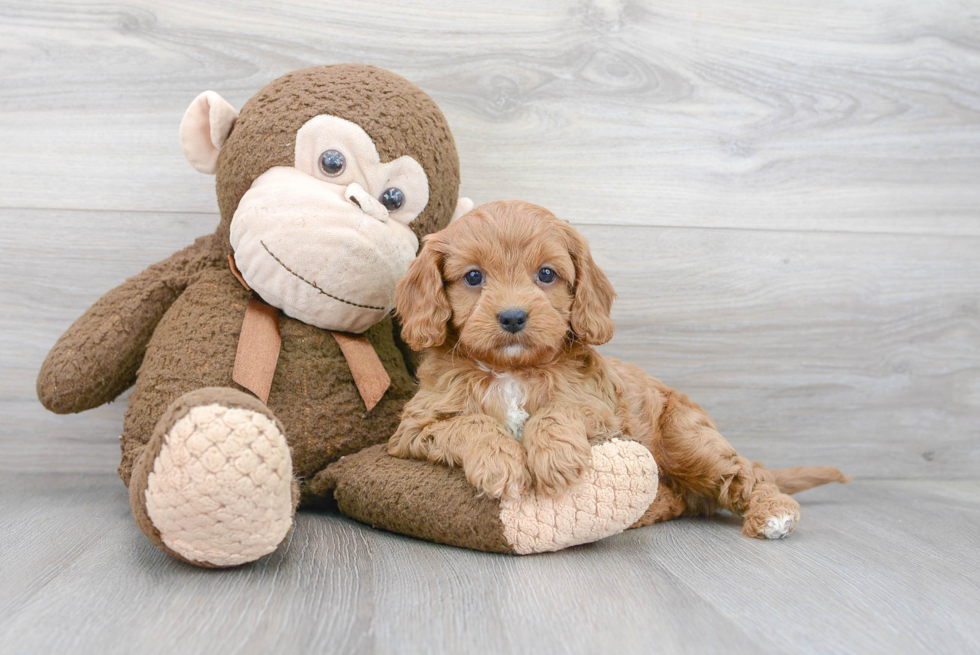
{"x":512,"y":401}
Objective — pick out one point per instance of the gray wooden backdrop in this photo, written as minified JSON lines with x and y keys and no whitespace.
{"x":785,"y":194}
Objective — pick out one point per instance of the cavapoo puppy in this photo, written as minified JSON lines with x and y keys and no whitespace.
{"x":509,"y":304}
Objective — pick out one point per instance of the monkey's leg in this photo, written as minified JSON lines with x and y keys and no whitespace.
{"x":706,"y":472}
{"x":214,"y":485}
{"x":434,"y":502}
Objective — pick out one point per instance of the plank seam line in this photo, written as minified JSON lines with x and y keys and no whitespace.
{"x":660,"y":226}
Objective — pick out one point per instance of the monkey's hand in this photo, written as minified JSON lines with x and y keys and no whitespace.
{"x":97,"y":358}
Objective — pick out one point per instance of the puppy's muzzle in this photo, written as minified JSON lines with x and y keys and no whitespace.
{"x":512,"y":320}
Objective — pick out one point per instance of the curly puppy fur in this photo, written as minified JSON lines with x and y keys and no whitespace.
{"x":517,"y":407}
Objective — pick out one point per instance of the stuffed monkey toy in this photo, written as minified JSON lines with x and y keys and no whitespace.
{"x":266,"y":366}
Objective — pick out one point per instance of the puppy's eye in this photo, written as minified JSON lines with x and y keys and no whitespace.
{"x":332,"y":162}
{"x":473,"y":278}
{"x":546,"y":275}
{"x":392,"y":199}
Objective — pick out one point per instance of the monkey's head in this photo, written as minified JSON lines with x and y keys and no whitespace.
{"x":326,"y":180}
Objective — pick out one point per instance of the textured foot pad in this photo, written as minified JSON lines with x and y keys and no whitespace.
{"x":220,"y":489}
{"x":614,"y":494}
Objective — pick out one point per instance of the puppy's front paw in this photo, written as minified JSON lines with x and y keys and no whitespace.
{"x":557,"y":459}
{"x":498,"y":469}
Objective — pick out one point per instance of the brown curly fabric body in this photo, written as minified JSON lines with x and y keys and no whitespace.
{"x":313,"y":393}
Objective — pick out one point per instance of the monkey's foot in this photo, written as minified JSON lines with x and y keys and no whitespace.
{"x":612,"y":496}
{"x":215,"y":485}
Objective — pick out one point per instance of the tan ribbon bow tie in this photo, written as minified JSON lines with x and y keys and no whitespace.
{"x":260,"y":342}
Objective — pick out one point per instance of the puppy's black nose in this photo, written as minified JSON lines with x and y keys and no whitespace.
{"x":512,"y":320}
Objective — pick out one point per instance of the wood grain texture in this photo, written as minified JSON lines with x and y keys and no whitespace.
{"x":874,"y":567}
{"x":805,"y":115}
{"x":55,"y":264}
{"x":856,"y":350}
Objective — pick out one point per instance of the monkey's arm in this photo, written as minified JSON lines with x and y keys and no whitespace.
{"x":96,"y":359}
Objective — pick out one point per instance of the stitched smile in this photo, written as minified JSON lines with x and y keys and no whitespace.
{"x":313,"y":284}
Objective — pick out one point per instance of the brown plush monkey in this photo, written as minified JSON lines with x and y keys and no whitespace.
{"x":325,"y":181}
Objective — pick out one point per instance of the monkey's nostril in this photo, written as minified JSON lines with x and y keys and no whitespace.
{"x":360,"y":198}
{"x":512,"y":320}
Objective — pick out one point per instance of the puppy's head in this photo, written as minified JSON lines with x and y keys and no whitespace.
{"x":509,"y":283}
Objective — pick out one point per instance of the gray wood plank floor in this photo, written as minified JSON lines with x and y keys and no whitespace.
{"x":875,"y":567}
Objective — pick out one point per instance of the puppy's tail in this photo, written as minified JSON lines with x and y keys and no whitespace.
{"x":800,"y":478}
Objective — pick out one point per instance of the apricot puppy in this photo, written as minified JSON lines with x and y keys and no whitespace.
{"x":508,"y":303}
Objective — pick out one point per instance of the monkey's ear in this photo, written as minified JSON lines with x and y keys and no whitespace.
{"x":421,"y":300}
{"x":463,"y":205}
{"x":594,"y":294}
{"x":205,"y":128}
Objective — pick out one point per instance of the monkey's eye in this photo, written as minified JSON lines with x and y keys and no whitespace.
{"x":546,"y":275}
{"x":392,"y":199}
{"x":333,"y":162}
{"x":473,"y":278}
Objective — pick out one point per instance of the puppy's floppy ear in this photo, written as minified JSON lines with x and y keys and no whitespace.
{"x":421,"y":301}
{"x":594,"y":294}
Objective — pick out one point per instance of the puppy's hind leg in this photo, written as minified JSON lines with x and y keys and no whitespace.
{"x":666,"y":506}
{"x":767,"y":513}
{"x":706,"y":471}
